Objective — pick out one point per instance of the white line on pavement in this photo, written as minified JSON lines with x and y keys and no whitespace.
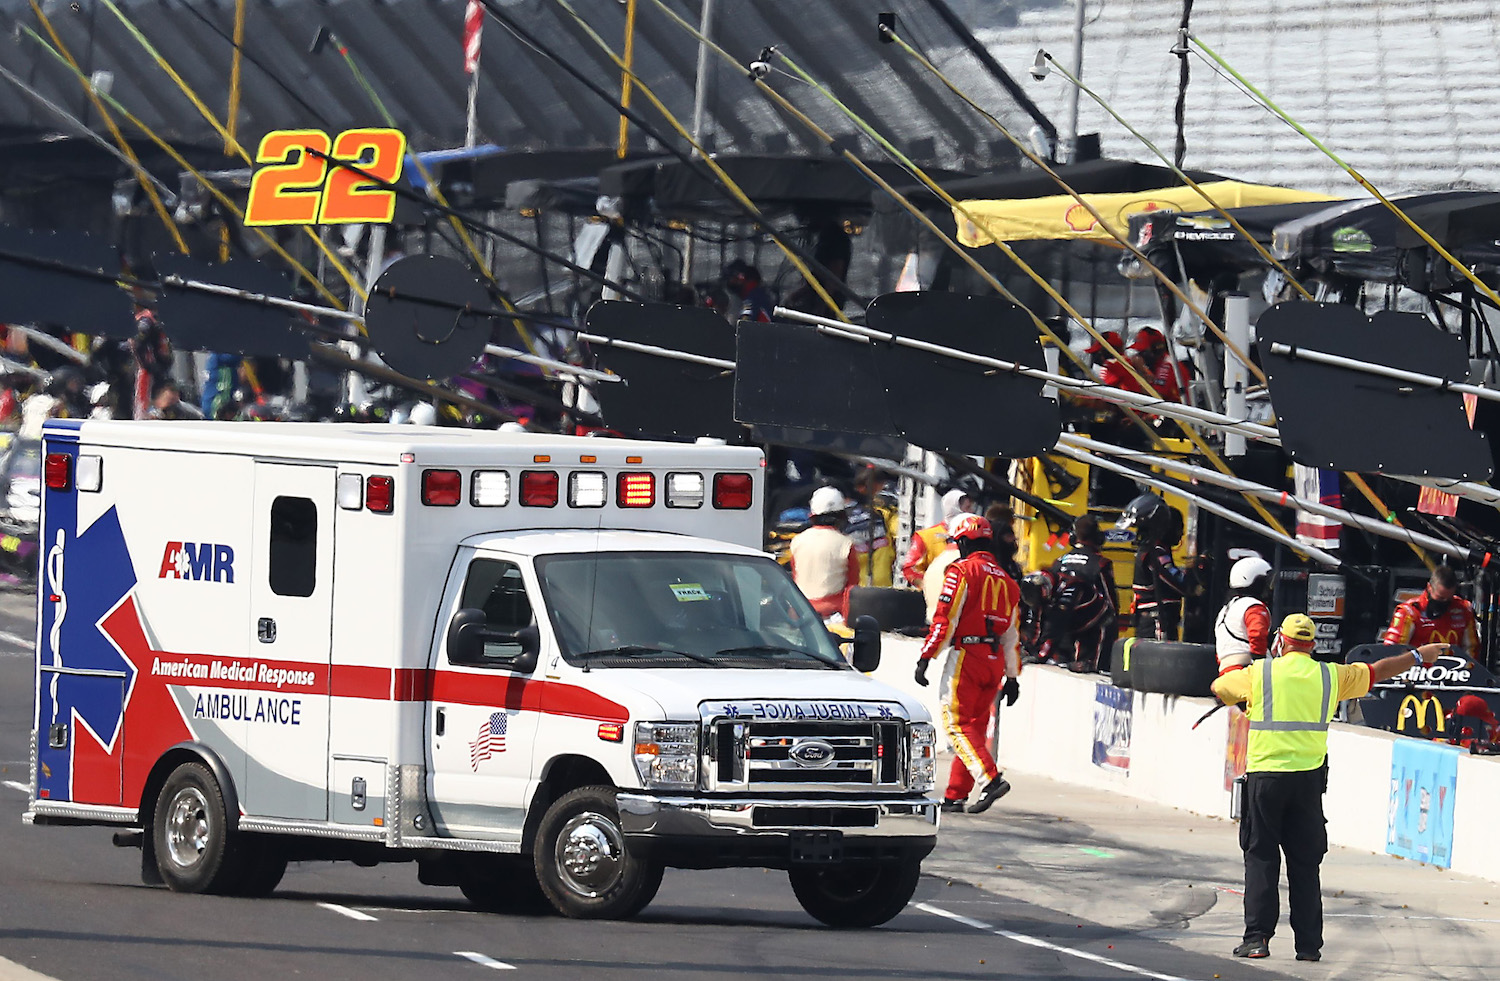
{"x":17,"y":785}
{"x":11,"y":971}
{"x":1044,"y":944}
{"x":484,"y":961}
{"x":1385,"y":916}
{"x":353,"y":914}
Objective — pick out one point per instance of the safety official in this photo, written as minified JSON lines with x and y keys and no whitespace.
{"x":1439,"y":615}
{"x":1242,"y":630}
{"x":976,"y":614}
{"x":1291,"y":699}
{"x":824,"y":564}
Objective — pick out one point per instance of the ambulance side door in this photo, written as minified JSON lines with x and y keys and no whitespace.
{"x":290,"y":629}
{"x":482,"y":722}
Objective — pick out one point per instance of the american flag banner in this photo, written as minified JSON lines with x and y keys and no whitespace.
{"x":473,"y":26}
{"x":1322,"y":486}
{"x":489,"y":741}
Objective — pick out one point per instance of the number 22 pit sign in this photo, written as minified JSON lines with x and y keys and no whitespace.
{"x":298,"y":180}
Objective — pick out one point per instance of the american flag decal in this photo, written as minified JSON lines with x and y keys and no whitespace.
{"x":491,"y":740}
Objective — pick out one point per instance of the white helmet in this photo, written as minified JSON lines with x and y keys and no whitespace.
{"x":1244,"y":572}
{"x":953,"y":504}
{"x":422,"y":414}
{"x":827,"y":500}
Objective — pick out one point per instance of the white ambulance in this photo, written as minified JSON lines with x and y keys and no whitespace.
{"x":544,"y":668}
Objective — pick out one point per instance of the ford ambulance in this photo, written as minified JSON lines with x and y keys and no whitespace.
{"x":540,"y":667}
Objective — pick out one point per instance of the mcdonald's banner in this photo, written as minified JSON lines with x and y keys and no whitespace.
{"x":1424,"y":791}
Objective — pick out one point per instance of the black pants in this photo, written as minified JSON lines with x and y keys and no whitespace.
{"x":1283,"y":814}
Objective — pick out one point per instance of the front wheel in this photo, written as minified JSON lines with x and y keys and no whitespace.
{"x":195,"y":850}
{"x":857,"y":894}
{"x":582,"y":863}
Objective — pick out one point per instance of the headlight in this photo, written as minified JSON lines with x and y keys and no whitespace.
{"x":923,"y":776}
{"x":666,"y":754}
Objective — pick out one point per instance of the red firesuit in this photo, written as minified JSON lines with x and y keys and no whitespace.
{"x":1416,"y":624}
{"x":977,"y":614}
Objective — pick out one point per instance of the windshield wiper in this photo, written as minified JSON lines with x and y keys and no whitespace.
{"x":641,"y":650}
{"x":771,"y":649}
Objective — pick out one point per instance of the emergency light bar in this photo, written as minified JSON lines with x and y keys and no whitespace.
{"x":586,"y":489}
{"x":490,"y":489}
{"x":733,"y":491}
{"x":539,"y":488}
{"x":58,"y":471}
{"x":442,"y":488}
{"x":635,"y":490}
{"x":684,"y":490}
{"x":380,"y":494}
{"x":90,"y":473}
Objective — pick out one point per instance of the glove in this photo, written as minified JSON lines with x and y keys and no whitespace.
{"x":1011,"y":691}
{"x":921,"y":674}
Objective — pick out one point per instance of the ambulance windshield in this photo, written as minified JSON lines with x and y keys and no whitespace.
{"x":681,"y":609}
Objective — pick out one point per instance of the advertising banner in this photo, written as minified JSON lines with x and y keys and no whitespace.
{"x":1424,"y":783}
{"x":1112,"y":715}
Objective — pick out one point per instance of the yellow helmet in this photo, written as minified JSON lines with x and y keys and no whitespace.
{"x":1300,"y":627}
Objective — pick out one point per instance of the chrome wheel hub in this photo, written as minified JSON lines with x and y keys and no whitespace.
{"x":590,"y":854}
{"x":187,"y":827}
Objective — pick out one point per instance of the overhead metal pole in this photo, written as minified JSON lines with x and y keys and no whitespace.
{"x":1071,"y":140}
{"x":1297,"y":352}
{"x":700,"y":110}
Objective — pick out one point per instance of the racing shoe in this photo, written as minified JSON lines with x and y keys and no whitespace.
{"x":993,"y":791}
{"x":1254,"y":947}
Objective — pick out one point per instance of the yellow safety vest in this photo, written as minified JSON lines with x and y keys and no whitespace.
{"x":1292,"y":700}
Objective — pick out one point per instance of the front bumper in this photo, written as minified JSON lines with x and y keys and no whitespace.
{"x":711,"y":832}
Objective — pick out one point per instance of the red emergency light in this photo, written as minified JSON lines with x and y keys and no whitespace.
{"x":733,"y":491}
{"x":442,"y":488}
{"x":59,"y":471}
{"x":539,"y":488}
{"x":380,"y":494}
{"x":635,"y":490}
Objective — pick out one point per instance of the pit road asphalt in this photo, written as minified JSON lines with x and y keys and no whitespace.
{"x":72,"y":906}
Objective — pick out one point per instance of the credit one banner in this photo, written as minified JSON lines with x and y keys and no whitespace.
{"x":1424,"y":782}
{"x":1112,"y":714}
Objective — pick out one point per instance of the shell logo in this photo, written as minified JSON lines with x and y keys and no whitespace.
{"x":1079,"y":219}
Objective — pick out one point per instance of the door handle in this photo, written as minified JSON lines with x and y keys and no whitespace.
{"x":441,"y":723}
{"x":265,"y":630}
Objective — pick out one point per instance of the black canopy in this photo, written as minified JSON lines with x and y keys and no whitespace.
{"x":1206,"y":243}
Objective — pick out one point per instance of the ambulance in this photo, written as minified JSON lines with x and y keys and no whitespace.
{"x":543,"y":668}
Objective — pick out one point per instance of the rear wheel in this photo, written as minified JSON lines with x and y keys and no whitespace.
{"x":195,"y":850}
{"x":582,"y":863}
{"x":855,"y":895}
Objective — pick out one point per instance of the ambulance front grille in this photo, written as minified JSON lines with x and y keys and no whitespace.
{"x":799,"y":756}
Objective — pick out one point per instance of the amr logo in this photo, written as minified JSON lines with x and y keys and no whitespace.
{"x":198,"y":561}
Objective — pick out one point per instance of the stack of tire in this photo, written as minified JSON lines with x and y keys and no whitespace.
{"x":1163,"y":666}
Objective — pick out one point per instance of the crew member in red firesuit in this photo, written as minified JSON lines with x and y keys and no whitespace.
{"x":1242,"y":630}
{"x":1163,"y":371}
{"x":1473,"y":721}
{"x":1158,"y":585}
{"x":1113,"y":371}
{"x":976,"y":615}
{"x":1438,"y":616}
{"x":1083,"y":619}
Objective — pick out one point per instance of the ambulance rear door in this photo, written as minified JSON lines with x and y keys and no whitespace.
{"x":290,"y":626}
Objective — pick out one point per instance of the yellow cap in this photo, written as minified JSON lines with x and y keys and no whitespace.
{"x":1299,"y":626}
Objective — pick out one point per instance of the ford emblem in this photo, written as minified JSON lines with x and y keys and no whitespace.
{"x":812,"y":752}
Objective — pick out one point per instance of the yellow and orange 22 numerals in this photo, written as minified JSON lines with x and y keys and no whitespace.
{"x":293,"y":186}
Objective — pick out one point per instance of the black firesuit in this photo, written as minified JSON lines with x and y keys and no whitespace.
{"x":1159,"y":587}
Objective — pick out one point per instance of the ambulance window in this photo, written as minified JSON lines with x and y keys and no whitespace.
{"x":497,"y":588}
{"x":294,"y":546}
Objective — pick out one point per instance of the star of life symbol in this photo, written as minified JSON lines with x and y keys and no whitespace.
{"x":181,"y":563}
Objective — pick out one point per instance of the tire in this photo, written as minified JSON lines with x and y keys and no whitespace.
{"x":1172,"y":668}
{"x":195,"y":850}
{"x":856,"y":895}
{"x":1119,"y":662}
{"x":893,"y":608}
{"x":504,"y":884}
{"x":582,"y":863}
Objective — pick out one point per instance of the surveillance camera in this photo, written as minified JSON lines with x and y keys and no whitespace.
{"x":1040,"y":68}
{"x":760,"y":69}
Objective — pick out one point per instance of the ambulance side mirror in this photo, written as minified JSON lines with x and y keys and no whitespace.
{"x":866,"y":644}
{"x":468,"y":632}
